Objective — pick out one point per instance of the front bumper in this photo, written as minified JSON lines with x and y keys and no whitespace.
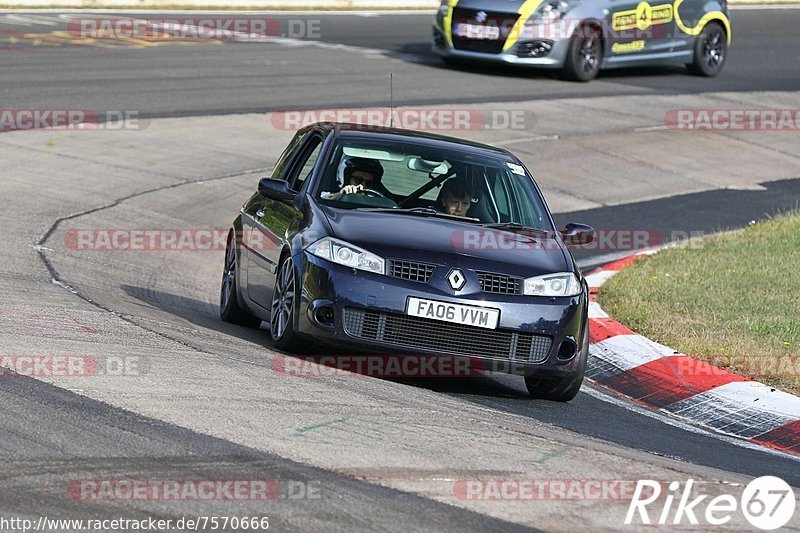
{"x":554,"y":329}
{"x":516,"y":55}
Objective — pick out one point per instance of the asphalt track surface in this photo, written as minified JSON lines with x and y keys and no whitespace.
{"x":236,"y":77}
{"x":89,"y":438}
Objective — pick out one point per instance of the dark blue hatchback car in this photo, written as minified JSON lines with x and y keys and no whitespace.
{"x":386,"y":241}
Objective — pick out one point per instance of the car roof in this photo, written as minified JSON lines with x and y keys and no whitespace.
{"x":356,"y":131}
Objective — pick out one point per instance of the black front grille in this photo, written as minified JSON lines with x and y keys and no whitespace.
{"x":504,"y":21}
{"x":424,"y":334}
{"x":499,"y":283}
{"x":411,"y":270}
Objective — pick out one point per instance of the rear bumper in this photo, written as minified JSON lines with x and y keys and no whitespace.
{"x":554,"y":329}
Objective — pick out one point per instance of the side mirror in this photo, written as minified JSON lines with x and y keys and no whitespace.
{"x":578,"y":234}
{"x":276,"y":190}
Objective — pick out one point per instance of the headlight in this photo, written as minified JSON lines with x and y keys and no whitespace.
{"x":550,"y":11}
{"x":562,"y":284}
{"x":347,"y":254}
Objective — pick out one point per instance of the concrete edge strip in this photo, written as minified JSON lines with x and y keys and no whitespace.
{"x":660,"y":378}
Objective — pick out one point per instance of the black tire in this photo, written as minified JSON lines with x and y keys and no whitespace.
{"x":710,"y":51}
{"x":585,"y":55}
{"x":559,"y":390}
{"x":283,"y":309}
{"x":230,"y":310}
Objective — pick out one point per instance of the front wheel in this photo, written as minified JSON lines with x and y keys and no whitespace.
{"x":584,"y":56}
{"x":284,"y":302}
{"x":710,"y":51}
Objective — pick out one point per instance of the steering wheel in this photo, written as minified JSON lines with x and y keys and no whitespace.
{"x":371,"y":193}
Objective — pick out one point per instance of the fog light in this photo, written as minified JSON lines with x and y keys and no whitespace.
{"x":322,"y":314}
{"x":567,"y":349}
{"x":534,"y":49}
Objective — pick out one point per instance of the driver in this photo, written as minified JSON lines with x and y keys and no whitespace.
{"x":360,"y":174}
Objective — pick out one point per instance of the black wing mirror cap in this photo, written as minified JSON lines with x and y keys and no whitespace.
{"x":276,"y":190}
{"x":578,"y":234}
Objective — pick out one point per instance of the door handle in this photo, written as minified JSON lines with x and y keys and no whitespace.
{"x":260,"y":213}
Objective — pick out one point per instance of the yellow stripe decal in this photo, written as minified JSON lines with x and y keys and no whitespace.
{"x":525,"y":12}
{"x":448,"y":23}
{"x":708,"y":17}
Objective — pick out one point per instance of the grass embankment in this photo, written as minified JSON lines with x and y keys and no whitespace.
{"x":732,"y":300}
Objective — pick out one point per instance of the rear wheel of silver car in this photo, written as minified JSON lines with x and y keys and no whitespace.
{"x":710,"y":51}
{"x":230,"y":310}
{"x":585,"y":54}
{"x":284,"y":303}
{"x":560,"y":390}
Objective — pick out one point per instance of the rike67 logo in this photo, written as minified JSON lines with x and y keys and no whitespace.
{"x":768,"y":503}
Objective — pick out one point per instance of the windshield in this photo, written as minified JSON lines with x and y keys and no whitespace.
{"x":410,"y":177}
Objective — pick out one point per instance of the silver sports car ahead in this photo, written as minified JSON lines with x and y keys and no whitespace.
{"x":582,"y":36}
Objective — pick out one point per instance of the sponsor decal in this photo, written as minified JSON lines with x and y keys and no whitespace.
{"x":627,"y":48}
{"x":642,"y":17}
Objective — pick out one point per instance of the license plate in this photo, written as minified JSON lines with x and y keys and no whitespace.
{"x":482,"y":317}
{"x":476,"y":31}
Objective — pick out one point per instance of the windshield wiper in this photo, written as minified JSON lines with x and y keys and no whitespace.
{"x":505,"y":225}
{"x":419,"y":211}
{"x":518,"y":228}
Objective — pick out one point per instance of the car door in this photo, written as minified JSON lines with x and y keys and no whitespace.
{"x":639,"y":29}
{"x":270,"y":220}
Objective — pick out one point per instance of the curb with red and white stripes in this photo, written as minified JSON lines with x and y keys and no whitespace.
{"x":658,"y":377}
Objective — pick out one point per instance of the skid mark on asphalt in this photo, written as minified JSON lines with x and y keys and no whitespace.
{"x":305,"y":429}
{"x":347,"y":432}
{"x":44,"y":324}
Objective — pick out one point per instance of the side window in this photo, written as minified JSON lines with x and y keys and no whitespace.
{"x":500,"y":193}
{"x":280,"y":166}
{"x":304,"y":166}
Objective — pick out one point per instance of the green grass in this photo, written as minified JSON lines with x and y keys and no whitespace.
{"x":732,"y":300}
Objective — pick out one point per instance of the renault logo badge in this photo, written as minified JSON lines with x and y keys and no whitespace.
{"x":456,"y":279}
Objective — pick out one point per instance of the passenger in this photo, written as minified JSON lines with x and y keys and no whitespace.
{"x":456,"y":197}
